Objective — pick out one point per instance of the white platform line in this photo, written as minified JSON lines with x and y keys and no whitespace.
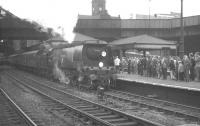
{"x":160,"y":84}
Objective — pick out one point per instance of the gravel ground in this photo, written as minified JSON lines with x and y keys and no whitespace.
{"x":33,"y":104}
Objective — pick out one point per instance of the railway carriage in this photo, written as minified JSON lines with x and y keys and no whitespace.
{"x":12,"y":59}
{"x":29,"y":60}
{"x":3,"y":60}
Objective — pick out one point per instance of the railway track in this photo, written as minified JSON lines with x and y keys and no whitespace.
{"x":11,"y":114}
{"x":177,"y":110}
{"x":89,"y":111}
{"x":169,"y":108}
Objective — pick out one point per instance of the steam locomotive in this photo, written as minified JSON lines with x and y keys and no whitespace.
{"x":87,"y":63}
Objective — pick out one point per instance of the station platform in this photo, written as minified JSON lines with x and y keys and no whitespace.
{"x":185,"y":93}
{"x":193,"y":85}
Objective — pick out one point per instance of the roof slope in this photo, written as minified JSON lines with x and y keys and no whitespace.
{"x":81,"y":37}
{"x":142,"y":39}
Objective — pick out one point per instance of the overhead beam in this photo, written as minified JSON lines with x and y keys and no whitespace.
{"x":22,"y":34}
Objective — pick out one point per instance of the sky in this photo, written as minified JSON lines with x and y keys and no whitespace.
{"x":64,"y":13}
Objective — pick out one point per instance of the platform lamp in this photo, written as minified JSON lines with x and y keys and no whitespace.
{"x":181,"y":42}
{"x":149,"y":16}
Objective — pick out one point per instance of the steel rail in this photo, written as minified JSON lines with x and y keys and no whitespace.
{"x":129,"y":97}
{"x":19,"y":111}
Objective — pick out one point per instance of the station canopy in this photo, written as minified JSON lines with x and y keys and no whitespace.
{"x":81,"y":38}
{"x":15,"y":28}
{"x":144,"y":41}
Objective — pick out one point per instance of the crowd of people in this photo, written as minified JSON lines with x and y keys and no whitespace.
{"x":173,"y":67}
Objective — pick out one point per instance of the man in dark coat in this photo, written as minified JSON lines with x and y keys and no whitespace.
{"x":192,"y":72}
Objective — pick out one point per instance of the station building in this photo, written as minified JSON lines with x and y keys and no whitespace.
{"x":102,"y":26}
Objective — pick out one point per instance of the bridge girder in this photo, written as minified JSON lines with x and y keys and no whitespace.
{"x":22,"y":34}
